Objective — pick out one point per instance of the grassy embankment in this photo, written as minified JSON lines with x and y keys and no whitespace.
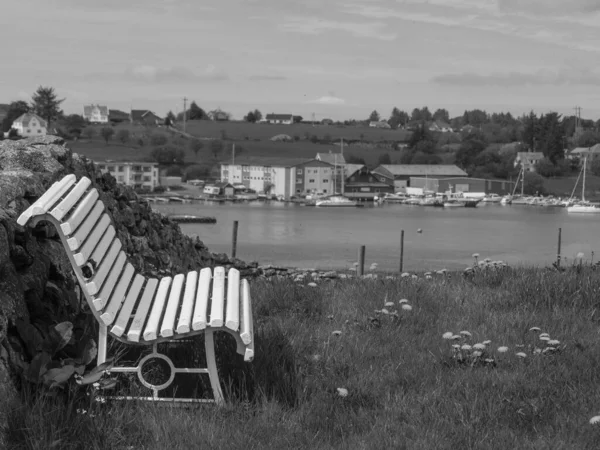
{"x":405,"y":390}
{"x":258,"y":144}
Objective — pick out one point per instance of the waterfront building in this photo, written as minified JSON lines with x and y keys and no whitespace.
{"x":140,"y":175}
{"x":591,"y":153}
{"x":96,"y":113}
{"x":285,"y":177}
{"x":399,"y":175}
{"x":361,"y":184}
{"x":464,"y":184}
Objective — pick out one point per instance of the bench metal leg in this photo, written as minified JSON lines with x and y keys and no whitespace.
{"x":209,"y":344}
{"x":102,"y":343}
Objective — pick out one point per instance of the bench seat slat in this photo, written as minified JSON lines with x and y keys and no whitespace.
{"x":103,"y":245}
{"x":109,"y":284}
{"x":135,"y":329}
{"x":199,"y":320}
{"x":232,"y":315}
{"x":61,"y":210}
{"x":117,"y":297}
{"x":246,"y":331}
{"x":168,"y":322}
{"x":150,"y":332}
{"x":44,"y":199}
{"x":94,"y":285}
{"x":82,"y":210}
{"x":125,"y":314}
{"x":218,"y":297}
{"x":86,"y":227}
{"x":187,"y":305}
{"x":92,"y":241}
{"x":56,"y":192}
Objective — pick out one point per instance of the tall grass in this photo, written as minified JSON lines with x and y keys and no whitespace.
{"x":405,"y":389}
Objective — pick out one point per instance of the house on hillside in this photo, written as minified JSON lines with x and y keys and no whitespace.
{"x":440,"y":126}
{"x":30,"y":124}
{"x":116,"y":116}
{"x":285,"y":119}
{"x":144,"y":117}
{"x":528,"y":160}
{"x":220,"y":116}
{"x":468,"y":129}
{"x":591,"y":153}
{"x":399,"y":175}
{"x":379,"y":124}
{"x":138,"y":174}
{"x":96,"y":113}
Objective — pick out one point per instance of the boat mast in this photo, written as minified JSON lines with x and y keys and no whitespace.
{"x":335,"y":174}
{"x":575,"y":187}
{"x":523,"y":182}
{"x":583,"y":185}
{"x":343,"y":167}
{"x":516,"y":184}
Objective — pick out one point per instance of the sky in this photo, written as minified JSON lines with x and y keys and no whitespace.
{"x":338,"y":59}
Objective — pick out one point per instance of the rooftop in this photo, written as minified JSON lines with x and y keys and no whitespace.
{"x":423,"y":169}
{"x":593,"y":149}
{"x":331,"y":158}
{"x":267,"y":161}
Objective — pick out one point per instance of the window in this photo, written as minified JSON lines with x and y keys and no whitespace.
{"x":325,"y":181}
{"x":298,"y":191}
{"x":146,"y":178}
{"x":147,"y":169}
{"x":352,"y":178}
{"x":298,"y":180}
{"x":29,"y":130}
{"x":110,"y":168}
{"x":299,"y":171}
{"x":121,"y":178}
{"x":311,"y":181}
{"x":39,"y":131}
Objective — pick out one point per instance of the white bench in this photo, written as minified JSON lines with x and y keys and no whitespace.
{"x":138,"y":310}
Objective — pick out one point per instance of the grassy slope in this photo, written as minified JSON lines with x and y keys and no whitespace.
{"x":263,"y":131}
{"x":405,"y":390}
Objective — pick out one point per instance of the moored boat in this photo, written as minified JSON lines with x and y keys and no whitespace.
{"x":336,"y":201}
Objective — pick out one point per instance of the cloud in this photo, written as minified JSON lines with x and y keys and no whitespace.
{"x":516,"y":79}
{"x":328,"y":100}
{"x":549,"y":7}
{"x":317,"y":26}
{"x":154,"y":74}
{"x":267,"y":78}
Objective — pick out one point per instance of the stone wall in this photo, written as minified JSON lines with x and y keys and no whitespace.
{"x":37,"y":285}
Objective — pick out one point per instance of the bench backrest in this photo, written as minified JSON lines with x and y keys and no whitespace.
{"x":133,"y":306}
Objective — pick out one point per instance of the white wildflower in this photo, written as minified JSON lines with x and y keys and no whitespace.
{"x":475,"y":255}
{"x":402,"y":301}
{"x":595,"y":420}
{"x":406,"y":307}
{"x":544,"y":338}
{"x":465,"y":333}
{"x":384,"y":311}
{"x":521,"y":355}
{"x":477,"y":353}
{"x":405,"y":274}
{"x":479,"y":346}
{"x":466,"y":347}
{"x":488,"y":342}
{"x":553,"y":342}
{"x":311,"y":284}
{"x":388,"y":304}
{"x":447,"y":335}
{"x":337,"y":333}
{"x":535,"y":329}
{"x":502,"y":349}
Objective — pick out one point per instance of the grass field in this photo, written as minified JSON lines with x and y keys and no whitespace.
{"x":264,"y":131}
{"x":331,"y":373}
{"x":98,"y":150}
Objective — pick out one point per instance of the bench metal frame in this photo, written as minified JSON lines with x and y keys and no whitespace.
{"x":166,"y":310}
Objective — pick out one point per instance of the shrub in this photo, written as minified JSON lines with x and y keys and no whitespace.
{"x":158,"y":140}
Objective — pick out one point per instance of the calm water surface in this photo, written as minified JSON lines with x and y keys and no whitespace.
{"x":329,"y":238}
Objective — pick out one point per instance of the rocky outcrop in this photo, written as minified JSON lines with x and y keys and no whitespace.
{"x":37,"y":285}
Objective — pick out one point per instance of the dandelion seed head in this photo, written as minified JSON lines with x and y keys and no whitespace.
{"x":406,"y":307}
{"x":342,"y":392}
{"x":466,"y":347}
{"x":502,"y":349}
{"x":447,"y":335}
{"x":595,"y":420}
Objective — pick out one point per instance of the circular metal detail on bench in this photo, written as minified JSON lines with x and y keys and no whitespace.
{"x":165,"y":359}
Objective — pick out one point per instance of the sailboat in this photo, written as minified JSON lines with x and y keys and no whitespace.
{"x":519,"y":200}
{"x":583,"y":206}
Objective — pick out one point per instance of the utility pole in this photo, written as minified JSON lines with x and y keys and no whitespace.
{"x":313,"y":119}
{"x":184,"y":112}
{"x":577,"y":117}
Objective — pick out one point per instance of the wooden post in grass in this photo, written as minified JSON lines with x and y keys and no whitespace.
{"x":401,"y":251}
{"x":234,"y":239}
{"x":559,"y":244}
{"x":361,"y":261}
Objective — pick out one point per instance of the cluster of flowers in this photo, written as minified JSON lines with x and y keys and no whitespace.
{"x":487,"y":263}
{"x":464,"y":351}
{"x":403,"y":304}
